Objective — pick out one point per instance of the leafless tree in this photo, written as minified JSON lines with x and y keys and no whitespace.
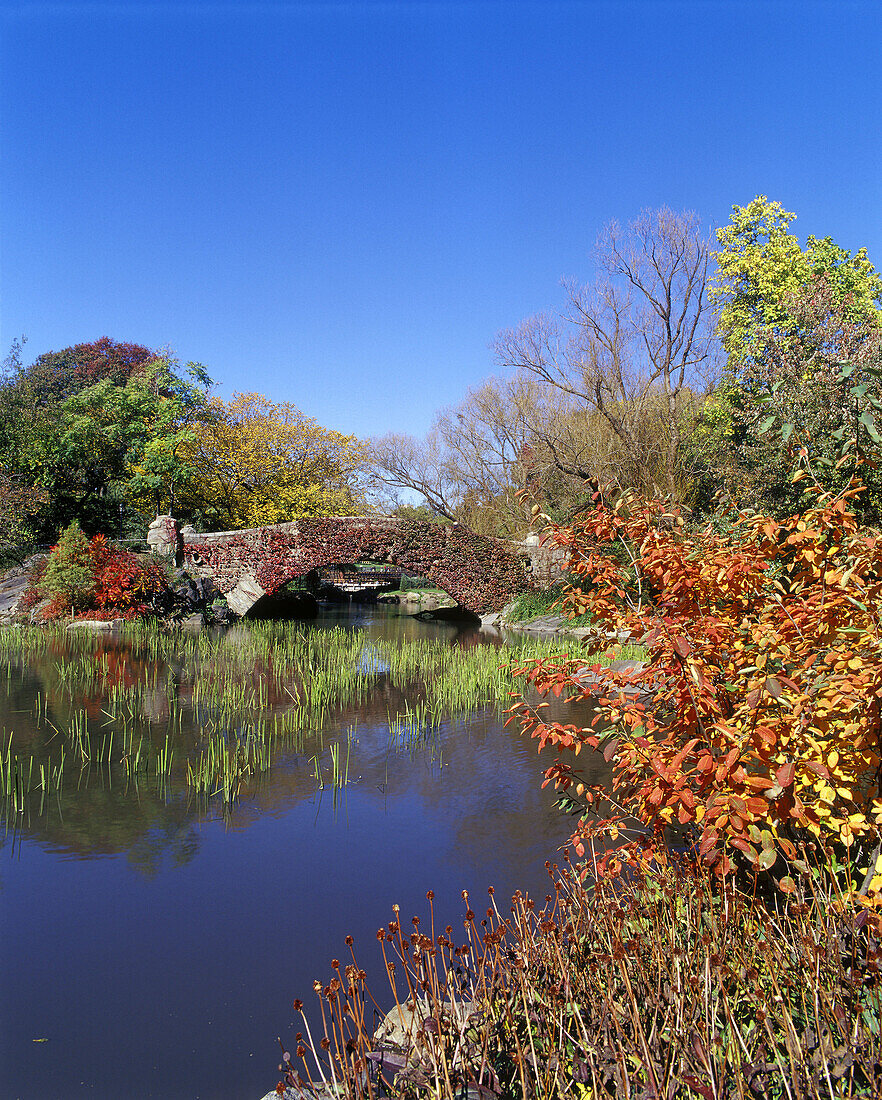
{"x":483,"y":452}
{"x":489,"y":440}
{"x":402,"y":462}
{"x":633,"y":346}
{"x":597,"y":394}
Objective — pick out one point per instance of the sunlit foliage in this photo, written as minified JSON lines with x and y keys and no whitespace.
{"x":254,"y":462}
{"x":94,"y":433}
{"x":761,"y":264}
{"x":93,"y":579}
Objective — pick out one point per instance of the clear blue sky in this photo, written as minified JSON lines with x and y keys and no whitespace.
{"x":340,"y":204}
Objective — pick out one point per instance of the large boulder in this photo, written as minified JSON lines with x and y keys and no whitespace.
{"x":13,"y":585}
{"x":97,"y":626}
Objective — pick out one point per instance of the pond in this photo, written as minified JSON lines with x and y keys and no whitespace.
{"x":208,"y":817}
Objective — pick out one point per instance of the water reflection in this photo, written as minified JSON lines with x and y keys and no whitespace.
{"x":110,"y":712}
{"x":157,"y":938}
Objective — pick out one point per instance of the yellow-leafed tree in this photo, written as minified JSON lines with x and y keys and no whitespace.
{"x":254,"y":462}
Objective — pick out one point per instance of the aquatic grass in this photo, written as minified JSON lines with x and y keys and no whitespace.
{"x":206,"y":714}
{"x":340,"y":774}
{"x":23,"y":774}
{"x":408,"y":729}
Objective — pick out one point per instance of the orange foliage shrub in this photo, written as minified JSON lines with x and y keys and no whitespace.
{"x":755,"y":724}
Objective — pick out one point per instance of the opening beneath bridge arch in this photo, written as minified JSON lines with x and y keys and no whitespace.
{"x":284,"y":604}
{"x":361,"y":582}
{"x":424,"y":599}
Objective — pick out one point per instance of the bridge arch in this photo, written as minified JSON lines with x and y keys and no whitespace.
{"x":480,"y":573}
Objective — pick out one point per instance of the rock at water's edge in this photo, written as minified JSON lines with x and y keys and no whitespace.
{"x":97,"y":626}
{"x":13,"y":585}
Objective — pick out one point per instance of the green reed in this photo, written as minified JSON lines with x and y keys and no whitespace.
{"x":209,"y":713}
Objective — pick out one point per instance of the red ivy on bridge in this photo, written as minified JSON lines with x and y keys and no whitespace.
{"x":482,"y":574}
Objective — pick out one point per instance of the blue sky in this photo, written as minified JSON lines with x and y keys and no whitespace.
{"x":340,"y":204}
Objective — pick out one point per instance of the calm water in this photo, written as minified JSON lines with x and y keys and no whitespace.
{"x":152,"y":942}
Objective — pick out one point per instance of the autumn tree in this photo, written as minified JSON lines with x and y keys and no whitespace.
{"x":484,"y":453}
{"x":618,"y":390}
{"x":636,"y":343}
{"x":755,"y":721}
{"x":761,"y":266}
{"x":253,"y":462}
{"x":55,"y":375}
{"x":96,"y":428}
{"x":497,"y":441}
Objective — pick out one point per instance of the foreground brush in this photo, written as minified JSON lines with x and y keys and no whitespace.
{"x":670,"y":984}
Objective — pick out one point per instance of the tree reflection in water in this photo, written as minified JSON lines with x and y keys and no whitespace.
{"x":159,"y":937}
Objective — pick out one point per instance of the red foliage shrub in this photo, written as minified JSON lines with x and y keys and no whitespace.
{"x":124,"y":585}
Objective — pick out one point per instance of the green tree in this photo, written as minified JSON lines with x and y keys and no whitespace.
{"x":69,"y":576}
{"x":98,"y":430}
{"x":761,"y":265}
{"x":793,"y":375}
{"x":131,"y":441}
{"x":20,"y":507}
{"x":787,"y":315}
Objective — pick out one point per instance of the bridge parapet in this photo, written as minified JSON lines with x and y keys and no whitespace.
{"x":480,"y":573}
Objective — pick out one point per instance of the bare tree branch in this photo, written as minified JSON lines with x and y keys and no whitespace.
{"x":641,"y":333}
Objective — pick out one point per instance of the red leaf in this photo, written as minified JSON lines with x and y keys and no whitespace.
{"x":696,"y":1086}
{"x":773,"y":687}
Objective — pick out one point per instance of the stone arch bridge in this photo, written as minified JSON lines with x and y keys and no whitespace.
{"x":482,"y":574}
